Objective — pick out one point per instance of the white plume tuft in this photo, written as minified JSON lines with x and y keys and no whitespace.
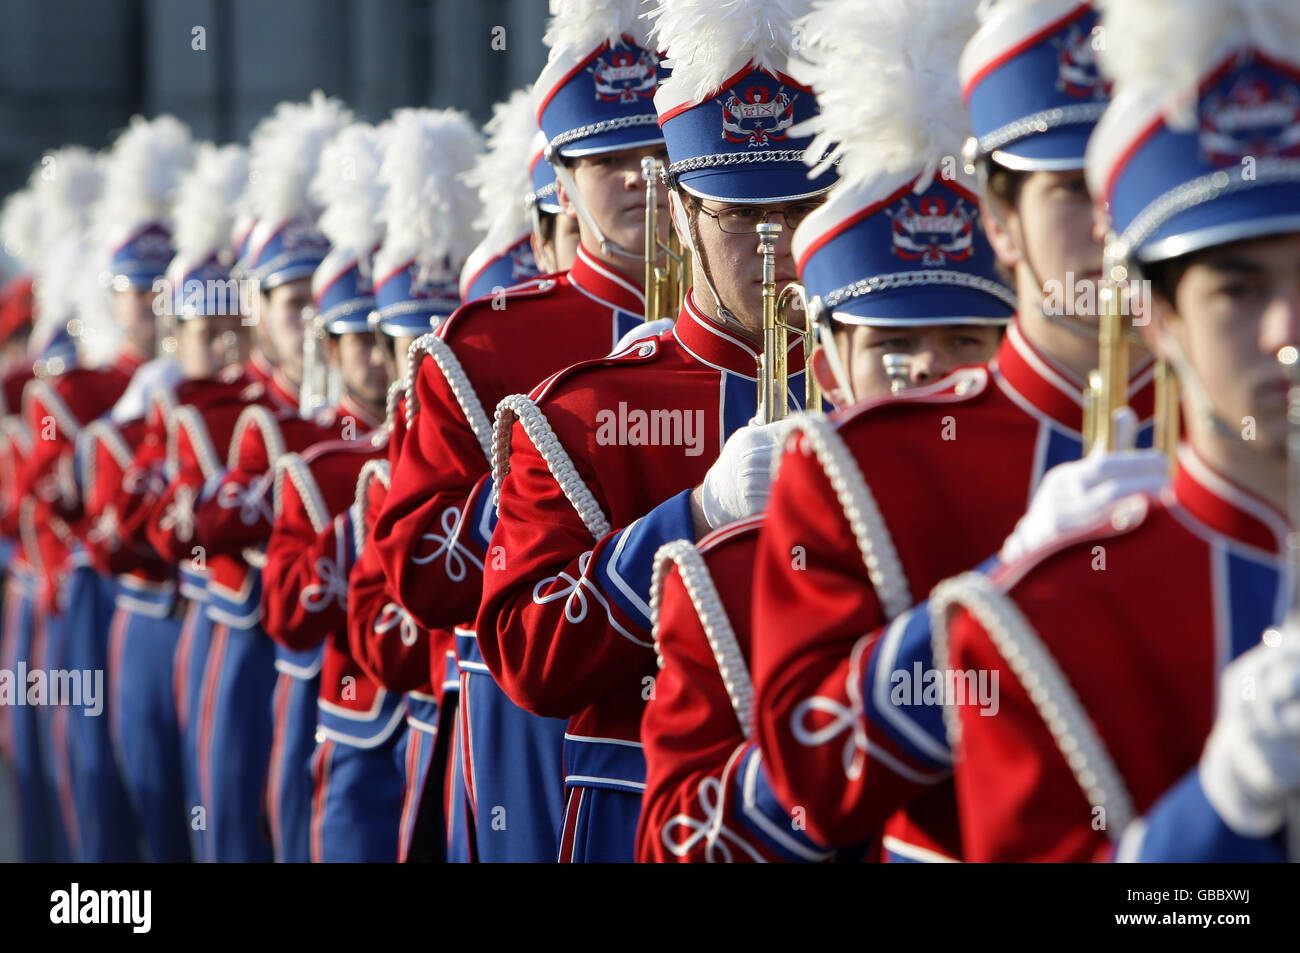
{"x":206,"y":201}
{"x":284,"y":154}
{"x":428,"y":206}
{"x":67,"y":182}
{"x":348,"y":188}
{"x":577,"y":27}
{"x":709,"y":41}
{"x":885,"y":75}
{"x":141,"y":173}
{"x":501,"y":177}
{"x":21,"y":227}
{"x":99,"y":337}
{"x":1161,"y":49}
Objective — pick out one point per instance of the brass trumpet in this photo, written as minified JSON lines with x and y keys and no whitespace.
{"x":667,"y":264}
{"x":773,"y":368}
{"x":1108,"y":384}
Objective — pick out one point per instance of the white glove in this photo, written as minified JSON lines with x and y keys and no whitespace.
{"x":738,"y":483}
{"x":651,"y":329}
{"x":1251,"y":764}
{"x":1075,"y":494}
{"x":164,"y":372}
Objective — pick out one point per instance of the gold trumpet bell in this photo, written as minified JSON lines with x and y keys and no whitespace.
{"x":667,"y":263}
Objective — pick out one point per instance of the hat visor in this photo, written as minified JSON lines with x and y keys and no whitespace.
{"x":922,"y":306}
{"x":1054,"y":150}
{"x":756,"y":183}
{"x":1255,"y":213}
{"x":286,"y":274}
{"x":614,"y":140}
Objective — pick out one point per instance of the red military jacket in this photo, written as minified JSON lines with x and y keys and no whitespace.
{"x":193,"y":464}
{"x":706,"y":797}
{"x":483,"y":353}
{"x":305,"y":582}
{"x":233,"y":520}
{"x":121,"y":468}
{"x":15,"y":445}
{"x":869,"y":510}
{"x":56,"y":409}
{"x":1107,"y":675}
{"x":594,"y":471}
{"x":388,"y":645}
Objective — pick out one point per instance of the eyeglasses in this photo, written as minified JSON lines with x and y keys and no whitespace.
{"x":742,"y":219}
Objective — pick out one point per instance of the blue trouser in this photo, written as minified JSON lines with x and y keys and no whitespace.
{"x":600,"y":826}
{"x":147,"y":733}
{"x":289,"y":785}
{"x":191,"y":659}
{"x":49,"y":648}
{"x":421,"y":835}
{"x":515,"y":767}
{"x":238,"y":686}
{"x":35,"y":802}
{"x":105,"y":823}
{"x":357,"y":803}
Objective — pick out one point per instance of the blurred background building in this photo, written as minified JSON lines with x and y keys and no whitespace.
{"x":74,"y":71}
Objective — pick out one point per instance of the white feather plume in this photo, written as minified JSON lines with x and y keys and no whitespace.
{"x":70,"y":279}
{"x":206,"y":200}
{"x":428,"y":207}
{"x":577,"y":27}
{"x":709,"y":41}
{"x":67,"y":182}
{"x":99,"y":337}
{"x":347,"y":186}
{"x":141,"y":172}
{"x":885,"y":75}
{"x":501,"y":178}
{"x":20,"y":225}
{"x":1161,"y":49}
{"x":284,"y":154}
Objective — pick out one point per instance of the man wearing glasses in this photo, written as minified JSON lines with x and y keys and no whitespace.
{"x":599,"y":465}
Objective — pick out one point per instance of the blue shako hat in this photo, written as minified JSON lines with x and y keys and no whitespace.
{"x":898,"y":242}
{"x":1030,"y":81}
{"x":1201,"y":144}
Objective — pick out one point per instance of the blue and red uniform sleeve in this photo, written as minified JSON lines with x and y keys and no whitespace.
{"x":706,"y":797}
{"x":565,"y":615}
{"x":833,"y":742}
{"x":1017,"y":797}
{"x":434,"y":576}
{"x":308,"y":558}
{"x":384,"y":640}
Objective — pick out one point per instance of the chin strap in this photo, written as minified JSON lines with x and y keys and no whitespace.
{"x":678,"y":210}
{"x":565,"y":178}
{"x":830,"y":348}
{"x":1191,"y":385}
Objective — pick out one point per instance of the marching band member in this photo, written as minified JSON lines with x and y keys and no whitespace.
{"x":594,"y":104}
{"x":82,"y":373}
{"x":237,"y":684}
{"x":849,"y":539}
{"x":123,"y":622}
{"x":1108,"y":678}
{"x":555,"y":235}
{"x":388,"y":645}
{"x":705,"y":797}
{"x":583,"y":505}
{"x":356,"y":774}
{"x":25,"y":223}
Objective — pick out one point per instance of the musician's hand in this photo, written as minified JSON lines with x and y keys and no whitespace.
{"x":1073,"y":495}
{"x":1251,"y":763}
{"x":738,"y":483}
